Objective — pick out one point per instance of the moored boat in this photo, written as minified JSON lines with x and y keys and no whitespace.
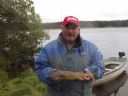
{"x":114,"y":66}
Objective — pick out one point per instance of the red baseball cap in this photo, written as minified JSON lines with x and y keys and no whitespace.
{"x":70,"y":19}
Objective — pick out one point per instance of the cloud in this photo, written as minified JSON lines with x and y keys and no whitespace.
{"x":56,"y":10}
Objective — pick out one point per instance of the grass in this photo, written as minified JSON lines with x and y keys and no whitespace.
{"x":26,"y":85}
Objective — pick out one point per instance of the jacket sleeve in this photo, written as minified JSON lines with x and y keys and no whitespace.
{"x":96,"y":65}
{"x":43,"y":68}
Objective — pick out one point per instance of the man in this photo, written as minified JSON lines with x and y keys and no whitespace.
{"x":69,"y":52}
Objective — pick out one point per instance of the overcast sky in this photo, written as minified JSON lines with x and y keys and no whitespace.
{"x":86,"y":10}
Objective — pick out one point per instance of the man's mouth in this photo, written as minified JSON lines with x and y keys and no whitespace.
{"x":70,"y":35}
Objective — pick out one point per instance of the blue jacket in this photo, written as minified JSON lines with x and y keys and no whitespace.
{"x":56,"y":56}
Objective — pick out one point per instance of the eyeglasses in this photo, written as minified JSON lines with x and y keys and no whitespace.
{"x":71,"y":26}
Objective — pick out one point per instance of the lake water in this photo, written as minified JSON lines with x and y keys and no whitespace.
{"x":109,"y":40}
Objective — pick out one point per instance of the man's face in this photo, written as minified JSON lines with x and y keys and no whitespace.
{"x":70,"y":32}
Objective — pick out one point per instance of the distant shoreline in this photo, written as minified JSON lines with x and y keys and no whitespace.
{"x":90,"y":24}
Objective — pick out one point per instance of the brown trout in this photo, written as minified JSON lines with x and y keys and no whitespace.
{"x":70,"y":75}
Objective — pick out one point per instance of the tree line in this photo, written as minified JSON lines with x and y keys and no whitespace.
{"x":91,"y":24}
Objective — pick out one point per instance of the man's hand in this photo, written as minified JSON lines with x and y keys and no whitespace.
{"x":55,"y":75}
{"x":58,"y":78}
{"x":85,"y":77}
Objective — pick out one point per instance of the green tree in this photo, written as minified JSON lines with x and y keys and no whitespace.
{"x":20,"y":32}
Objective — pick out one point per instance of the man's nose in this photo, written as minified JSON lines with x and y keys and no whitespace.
{"x":71,"y":30}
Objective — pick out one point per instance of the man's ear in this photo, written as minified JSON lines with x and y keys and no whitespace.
{"x":61,"y":26}
{"x":79,"y":29}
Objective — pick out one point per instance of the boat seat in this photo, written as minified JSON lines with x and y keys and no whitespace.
{"x":111,"y":66}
